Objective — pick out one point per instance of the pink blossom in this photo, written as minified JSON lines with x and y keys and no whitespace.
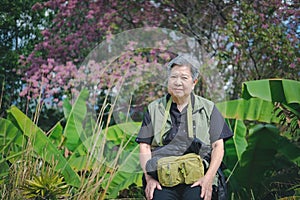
{"x":45,"y":33}
{"x":60,"y":104}
{"x":45,"y":44}
{"x":292,"y":65}
{"x":265,"y":26}
{"x":262,"y":16}
{"x":90,"y":14}
{"x":24,"y":92}
{"x":37,"y":6}
{"x":135,"y":20}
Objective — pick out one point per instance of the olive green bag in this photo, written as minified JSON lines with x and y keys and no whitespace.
{"x":174,"y":170}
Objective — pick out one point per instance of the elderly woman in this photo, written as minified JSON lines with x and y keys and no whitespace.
{"x":177,"y":124}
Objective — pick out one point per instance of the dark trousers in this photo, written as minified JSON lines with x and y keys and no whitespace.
{"x":179,"y":192}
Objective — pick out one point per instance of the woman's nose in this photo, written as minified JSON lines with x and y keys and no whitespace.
{"x":178,"y":81}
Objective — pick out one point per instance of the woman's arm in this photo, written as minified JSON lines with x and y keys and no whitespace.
{"x":152,"y":184}
{"x":216,"y":158}
{"x":145,"y":155}
{"x":215,"y":162}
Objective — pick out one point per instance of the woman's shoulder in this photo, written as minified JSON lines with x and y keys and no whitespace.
{"x":201,"y":101}
{"x":159,"y":101}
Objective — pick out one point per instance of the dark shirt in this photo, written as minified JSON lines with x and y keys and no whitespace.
{"x":179,"y":120}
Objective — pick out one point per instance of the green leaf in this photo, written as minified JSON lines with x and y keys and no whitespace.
{"x":129,"y":161}
{"x":264,"y":145}
{"x":87,"y":154}
{"x":74,"y":126}
{"x":273,"y":90}
{"x":123,"y":181}
{"x":254,"y":109}
{"x":4,"y":171}
{"x":9,"y":136}
{"x":56,"y":135}
{"x":43,"y":146}
{"x":83,"y":159}
{"x":80,"y":162}
{"x":239,"y":138}
{"x":290,"y":150}
{"x":67,"y":107}
{"x":129,"y":170}
{"x":119,"y":132}
{"x":11,"y":142}
{"x":236,"y":146}
{"x":257,"y":158}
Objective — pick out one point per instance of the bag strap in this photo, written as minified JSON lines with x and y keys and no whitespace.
{"x":166,"y":115}
{"x":189,"y":119}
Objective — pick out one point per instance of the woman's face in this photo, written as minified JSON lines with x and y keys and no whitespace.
{"x":180,"y":82}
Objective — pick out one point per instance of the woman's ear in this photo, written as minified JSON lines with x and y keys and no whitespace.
{"x":195,"y":82}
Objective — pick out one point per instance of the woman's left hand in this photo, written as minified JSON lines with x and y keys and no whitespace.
{"x":206,"y":186}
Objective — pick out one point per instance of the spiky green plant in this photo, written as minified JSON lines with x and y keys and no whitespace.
{"x":45,"y":186}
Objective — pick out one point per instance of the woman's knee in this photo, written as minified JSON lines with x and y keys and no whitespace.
{"x":166,"y":194}
{"x":192,"y":193}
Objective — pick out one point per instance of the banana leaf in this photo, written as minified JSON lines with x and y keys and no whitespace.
{"x":119,"y":140}
{"x":264,"y":146}
{"x":283,"y":91}
{"x":261,"y":150}
{"x":74,"y":130}
{"x":4,"y":172}
{"x":11,"y":138}
{"x":86,"y":155}
{"x":11,"y":146}
{"x":253,"y":109}
{"x":235,"y":147}
{"x":122,"y":131}
{"x":129,"y":172}
{"x":273,"y":90}
{"x":43,"y":146}
{"x":56,"y":135}
{"x":258,"y":98}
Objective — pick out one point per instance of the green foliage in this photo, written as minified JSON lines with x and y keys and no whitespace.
{"x":99,"y":161}
{"x":45,"y":186}
{"x":260,"y":41}
{"x":73,"y":131}
{"x":43,"y":146}
{"x":11,"y":146}
{"x":260,"y":155}
{"x":273,"y":90}
{"x":105,"y":157}
{"x":20,"y":31}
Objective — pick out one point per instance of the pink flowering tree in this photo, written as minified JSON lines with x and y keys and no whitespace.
{"x":78,"y":26}
{"x":247,"y":40}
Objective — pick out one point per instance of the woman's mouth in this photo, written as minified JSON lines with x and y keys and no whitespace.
{"x":177,"y":89}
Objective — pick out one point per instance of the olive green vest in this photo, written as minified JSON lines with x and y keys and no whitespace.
{"x":201,"y":113}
